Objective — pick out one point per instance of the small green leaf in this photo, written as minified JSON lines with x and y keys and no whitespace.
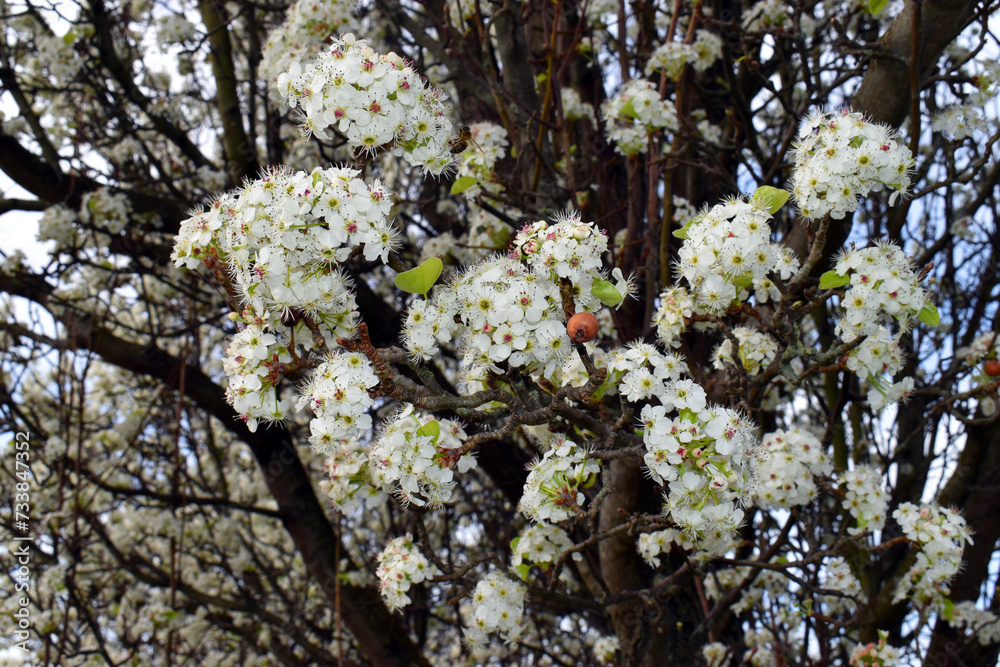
{"x":513,"y":543}
{"x":682,"y":233}
{"x":462,"y":184}
{"x":421,"y":279}
{"x":628,"y":110}
{"x":949,"y":610}
{"x":606,"y":292}
{"x":775,"y":197}
{"x":688,"y":414}
{"x":876,"y":6}
{"x":431,"y":429}
{"x":522,"y":571}
{"x":743,"y":281}
{"x":929,"y":316}
{"x":833,"y":280}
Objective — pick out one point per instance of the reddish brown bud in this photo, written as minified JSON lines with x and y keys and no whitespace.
{"x":582,"y":327}
{"x":992,"y":368}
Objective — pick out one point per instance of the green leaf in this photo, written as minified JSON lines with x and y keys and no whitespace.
{"x":513,"y":543}
{"x":628,"y":110}
{"x":876,"y":6}
{"x":462,"y":184}
{"x":431,"y":429}
{"x":421,"y":279}
{"x":522,"y":571}
{"x":689,"y":415}
{"x":833,"y":280}
{"x":682,"y":233}
{"x":929,"y":315}
{"x":743,"y":281}
{"x":606,"y":292}
{"x":949,"y":610}
{"x":807,"y":606}
{"x":775,"y":197}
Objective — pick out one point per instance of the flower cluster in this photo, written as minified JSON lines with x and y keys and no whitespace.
{"x":57,"y":224}
{"x":552,"y":490}
{"x":643,"y":372}
{"x":651,"y":545}
{"x":428,"y":323}
{"x":308,"y":25}
{"x":636,"y":114}
{"x":400,"y":565}
{"x":606,"y":649}
{"x":106,"y":210}
{"x":840,"y":158}
{"x":511,"y":307}
{"x":58,"y":54}
{"x":941,"y":534}
{"x":174,"y":29}
{"x":676,"y":304}
{"x":960,"y":122}
{"x":985,"y":348}
{"x":376,"y":101}
{"x":461,"y":12}
{"x":345,"y":467}
{"x":837,"y":576}
{"x":875,"y":654}
{"x":756,"y":350}
{"x":769,"y":583}
{"x":574,"y":108}
{"x":539,"y":544}
{"x":672,"y":57}
{"x":789,"y":462}
{"x":508,"y":316}
{"x":769,"y":15}
{"x":728,"y":250}
{"x":569,"y":249}
{"x":882,"y":283}
{"x":250,"y":364}
{"x":984,"y":624}
{"x":865,"y":499}
{"x":705,"y":454}
{"x":715,"y":654}
{"x":337,"y":392}
{"x":498,"y":605}
{"x":283,"y":236}
{"x":414,"y":457}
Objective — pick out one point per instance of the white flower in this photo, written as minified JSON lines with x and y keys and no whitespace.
{"x":400,"y":566}
{"x":841,"y":158}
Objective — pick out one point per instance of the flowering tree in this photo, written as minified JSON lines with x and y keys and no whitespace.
{"x":465,"y":333}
